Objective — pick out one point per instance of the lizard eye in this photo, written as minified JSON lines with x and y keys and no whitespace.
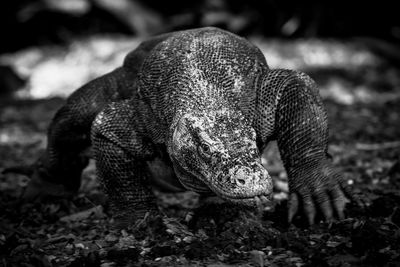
{"x":204,"y":150}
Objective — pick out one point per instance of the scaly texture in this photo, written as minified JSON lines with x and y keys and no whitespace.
{"x":193,"y":110}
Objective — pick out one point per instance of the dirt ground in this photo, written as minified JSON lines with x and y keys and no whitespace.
{"x":363,"y":106}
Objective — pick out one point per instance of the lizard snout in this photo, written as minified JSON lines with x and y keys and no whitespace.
{"x":242,"y":182}
{"x":244,"y":177}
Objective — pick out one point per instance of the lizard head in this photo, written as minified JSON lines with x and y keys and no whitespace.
{"x":216,"y":151}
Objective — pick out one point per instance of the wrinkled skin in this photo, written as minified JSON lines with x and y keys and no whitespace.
{"x":217,"y":151}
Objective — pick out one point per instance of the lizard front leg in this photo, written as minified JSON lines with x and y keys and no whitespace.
{"x":58,"y":171}
{"x":298,"y":121}
{"x":120,"y":152}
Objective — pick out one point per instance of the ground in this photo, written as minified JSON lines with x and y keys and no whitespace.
{"x":363,"y":104}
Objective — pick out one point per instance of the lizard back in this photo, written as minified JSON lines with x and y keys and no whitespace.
{"x":206,"y":69}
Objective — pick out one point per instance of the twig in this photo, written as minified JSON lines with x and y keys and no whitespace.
{"x":98,"y":211}
{"x":379,"y":146}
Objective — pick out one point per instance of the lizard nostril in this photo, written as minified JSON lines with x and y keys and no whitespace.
{"x":240,"y":181}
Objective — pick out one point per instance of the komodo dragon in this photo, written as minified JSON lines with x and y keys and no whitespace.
{"x":193,"y":110}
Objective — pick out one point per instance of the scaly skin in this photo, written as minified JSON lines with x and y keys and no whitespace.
{"x":193,"y":110}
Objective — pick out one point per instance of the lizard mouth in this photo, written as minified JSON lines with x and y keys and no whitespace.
{"x":249,"y":201}
{"x":248,"y":189}
{"x":189,"y":181}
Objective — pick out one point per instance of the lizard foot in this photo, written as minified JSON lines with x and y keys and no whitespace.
{"x":135,"y":219}
{"x":324,"y":191}
{"x":38,"y":188}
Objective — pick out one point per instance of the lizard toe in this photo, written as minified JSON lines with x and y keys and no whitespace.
{"x":293,"y":206}
{"x":308,"y":207}
{"x":324,"y":204}
{"x":339,"y":201}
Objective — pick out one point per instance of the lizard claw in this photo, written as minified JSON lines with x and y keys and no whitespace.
{"x":293,"y":206}
{"x":309,"y":209}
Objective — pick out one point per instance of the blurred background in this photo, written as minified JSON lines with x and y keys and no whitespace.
{"x":37,"y":22}
{"x":51,"y":47}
